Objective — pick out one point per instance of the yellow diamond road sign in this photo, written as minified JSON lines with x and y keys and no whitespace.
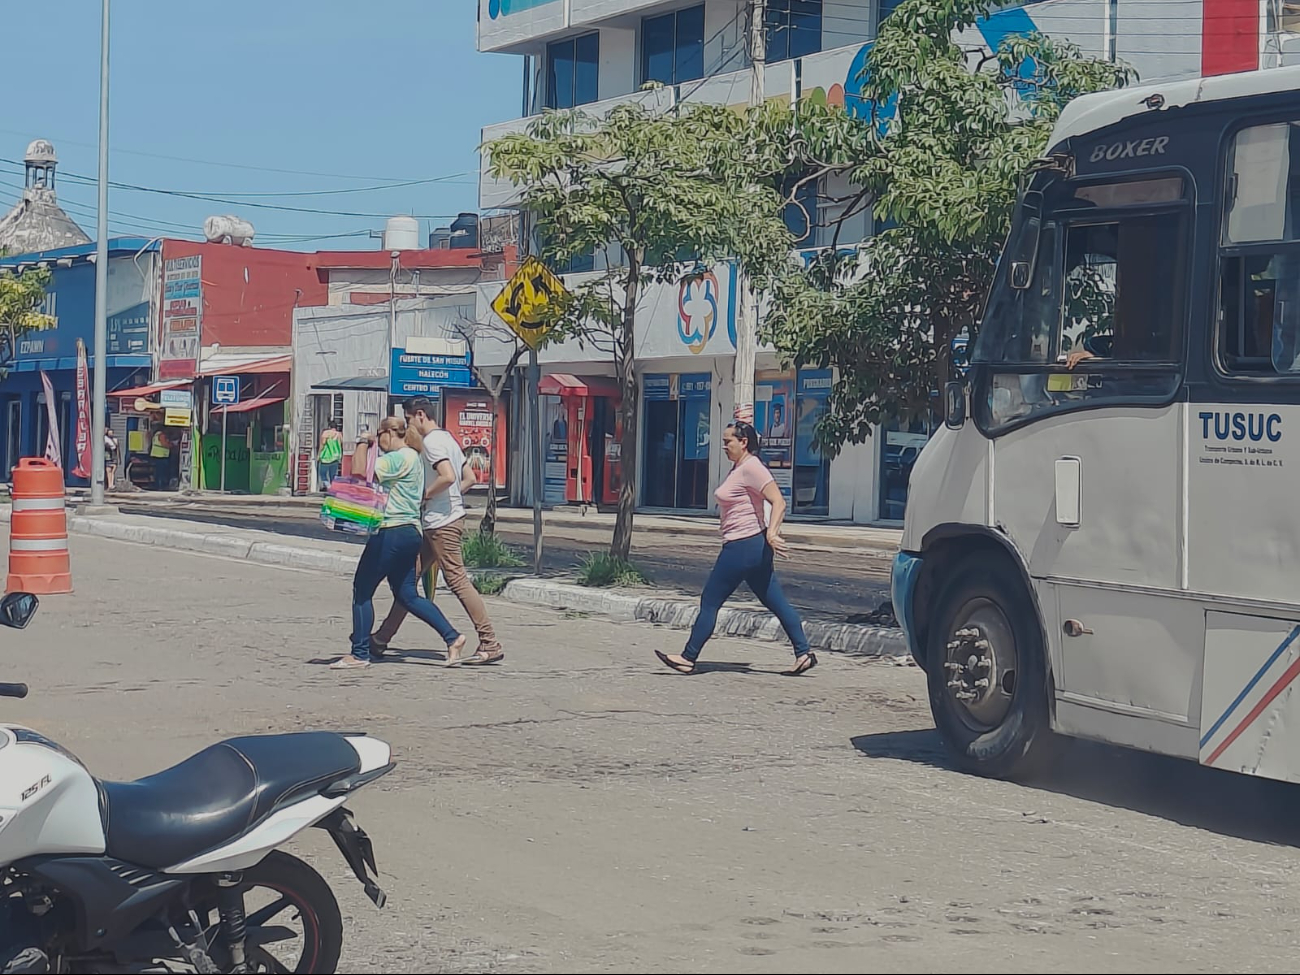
{"x":522,"y":304}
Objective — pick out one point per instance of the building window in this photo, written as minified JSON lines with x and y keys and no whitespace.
{"x":794,"y":28}
{"x":672,"y":47}
{"x":572,"y":71}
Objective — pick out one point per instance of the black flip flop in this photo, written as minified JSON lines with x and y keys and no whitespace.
{"x":806,"y":663}
{"x":673,"y":664}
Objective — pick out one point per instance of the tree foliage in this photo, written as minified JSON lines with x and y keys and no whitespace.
{"x":21,"y":298}
{"x":659,"y":195}
{"x":940,"y":165}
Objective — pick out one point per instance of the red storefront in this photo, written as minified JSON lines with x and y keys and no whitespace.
{"x":581,"y":431}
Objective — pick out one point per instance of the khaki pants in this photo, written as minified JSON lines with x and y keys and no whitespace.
{"x":442,"y":550}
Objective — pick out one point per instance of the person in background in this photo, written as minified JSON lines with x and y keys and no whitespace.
{"x":111,"y":455}
{"x":446,"y":475}
{"x":330,"y":458}
{"x":160,"y":452}
{"x":391,"y":552}
{"x":750,"y":544}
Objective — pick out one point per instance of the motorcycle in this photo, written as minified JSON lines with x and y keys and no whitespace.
{"x":180,"y":871}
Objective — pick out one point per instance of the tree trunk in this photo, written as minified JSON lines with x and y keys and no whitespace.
{"x":625,"y":367}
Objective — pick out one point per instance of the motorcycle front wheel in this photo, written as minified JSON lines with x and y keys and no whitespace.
{"x":294,"y":924}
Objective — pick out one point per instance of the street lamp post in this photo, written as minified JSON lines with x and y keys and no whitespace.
{"x":99,"y":403}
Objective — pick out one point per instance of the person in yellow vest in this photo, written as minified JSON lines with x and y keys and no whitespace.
{"x":161,"y":454}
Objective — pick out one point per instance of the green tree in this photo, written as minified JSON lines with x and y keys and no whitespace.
{"x":662,"y":195}
{"x":21,"y":297}
{"x":945,"y":153}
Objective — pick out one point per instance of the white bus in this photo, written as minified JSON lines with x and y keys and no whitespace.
{"x":1103,"y":541}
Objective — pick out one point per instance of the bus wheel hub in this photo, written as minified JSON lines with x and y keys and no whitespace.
{"x":970,"y":665}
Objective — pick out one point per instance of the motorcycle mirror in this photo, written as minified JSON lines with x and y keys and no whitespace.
{"x":17,"y":609}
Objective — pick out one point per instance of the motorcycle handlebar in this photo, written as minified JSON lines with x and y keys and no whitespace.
{"x":13,"y":690}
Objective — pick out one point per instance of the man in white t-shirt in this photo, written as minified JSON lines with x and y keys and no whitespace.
{"x":446,"y":477}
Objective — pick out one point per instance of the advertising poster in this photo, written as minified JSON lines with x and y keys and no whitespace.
{"x":774,"y":409}
{"x":555,"y":440}
{"x":182,"y":315}
{"x":468,"y":418}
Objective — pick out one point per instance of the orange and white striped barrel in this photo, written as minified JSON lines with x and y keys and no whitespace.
{"x":38,"y":533}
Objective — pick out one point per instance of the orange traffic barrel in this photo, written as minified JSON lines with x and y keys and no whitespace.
{"x":38,"y":533}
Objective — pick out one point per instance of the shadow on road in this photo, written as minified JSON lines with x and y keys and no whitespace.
{"x":1243,"y":806}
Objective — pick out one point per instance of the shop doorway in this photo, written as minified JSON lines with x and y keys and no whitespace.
{"x":677,"y":440}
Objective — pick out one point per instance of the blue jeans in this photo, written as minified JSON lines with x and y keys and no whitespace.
{"x":746,"y":560}
{"x":327,"y":474}
{"x":390,"y":554}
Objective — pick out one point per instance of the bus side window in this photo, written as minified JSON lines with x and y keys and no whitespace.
{"x":1259,"y":266}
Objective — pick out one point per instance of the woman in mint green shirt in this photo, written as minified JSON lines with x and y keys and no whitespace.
{"x":392,"y":551}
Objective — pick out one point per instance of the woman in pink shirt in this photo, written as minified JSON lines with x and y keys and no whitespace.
{"x":749,"y":546}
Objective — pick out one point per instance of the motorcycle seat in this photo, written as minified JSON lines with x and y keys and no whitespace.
{"x":218,"y":795}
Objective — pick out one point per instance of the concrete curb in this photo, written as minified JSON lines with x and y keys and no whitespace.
{"x":677,"y":614}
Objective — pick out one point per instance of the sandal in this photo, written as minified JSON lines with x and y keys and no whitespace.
{"x":672,"y":664}
{"x":804,"y":664}
{"x":454,"y":658}
{"x":483,"y":658}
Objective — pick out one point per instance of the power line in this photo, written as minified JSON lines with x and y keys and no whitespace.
{"x":212,"y":198}
{"x":203,"y":162}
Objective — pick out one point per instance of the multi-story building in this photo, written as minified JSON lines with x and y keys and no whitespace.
{"x":596,"y":54}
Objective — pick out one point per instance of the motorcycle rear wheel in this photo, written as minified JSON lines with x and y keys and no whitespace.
{"x":297,"y":893}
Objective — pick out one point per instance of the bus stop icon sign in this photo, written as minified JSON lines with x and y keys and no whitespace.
{"x":524,"y":301}
{"x":225,"y":390}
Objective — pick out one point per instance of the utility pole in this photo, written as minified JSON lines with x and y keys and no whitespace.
{"x":747,"y":320}
{"x":99,"y":401}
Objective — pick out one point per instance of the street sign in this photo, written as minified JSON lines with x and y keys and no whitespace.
{"x":421,"y":374}
{"x":526,"y":297}
{"x":225,"y":390}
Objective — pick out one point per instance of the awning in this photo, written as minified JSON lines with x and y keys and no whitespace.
{"x":235,"y":365}
{"x":144,"y":392}
{"x":357,"y":384}
{"x":248,"y":405}
{"x":563,"y":384}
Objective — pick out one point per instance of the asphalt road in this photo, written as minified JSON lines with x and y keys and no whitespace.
{"x":580,"y":809}
{"x":834,"y":583}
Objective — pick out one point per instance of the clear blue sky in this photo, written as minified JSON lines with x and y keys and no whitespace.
{"x":383,"y":90}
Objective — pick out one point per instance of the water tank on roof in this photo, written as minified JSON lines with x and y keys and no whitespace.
{"x":228,"y":230}
{"x":440,"y":239}
{"x":402,"y":234}
{"x":464,"y":232}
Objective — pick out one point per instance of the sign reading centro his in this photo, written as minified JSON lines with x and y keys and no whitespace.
{"x":424,"y":374}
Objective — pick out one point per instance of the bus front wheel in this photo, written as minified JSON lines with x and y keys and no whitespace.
{"x":988,"y":679}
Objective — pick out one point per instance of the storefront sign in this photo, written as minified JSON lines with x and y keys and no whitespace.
{"x":177,"y":417}
{"x":182,"y":318}
{"x":417,"y":374}
{"x":673,"y":386}
{"x":468,"y":418}
{"x":181,"y":399}
{"x":128,"y":331}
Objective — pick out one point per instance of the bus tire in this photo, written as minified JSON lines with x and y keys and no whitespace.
{"x":988,"y":676}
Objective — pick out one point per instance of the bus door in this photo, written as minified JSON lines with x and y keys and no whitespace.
{"x":1244,"y":455}
{"x":1086,"y":455}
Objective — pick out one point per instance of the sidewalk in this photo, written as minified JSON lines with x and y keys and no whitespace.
{"x":818,"y":534}
{"x":652,"y":605}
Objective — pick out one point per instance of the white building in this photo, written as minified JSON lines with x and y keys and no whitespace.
{"x":599,"y":53}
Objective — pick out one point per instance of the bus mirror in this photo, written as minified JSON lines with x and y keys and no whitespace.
{"x":1024,"y":254}
{"x":955,"y":405}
